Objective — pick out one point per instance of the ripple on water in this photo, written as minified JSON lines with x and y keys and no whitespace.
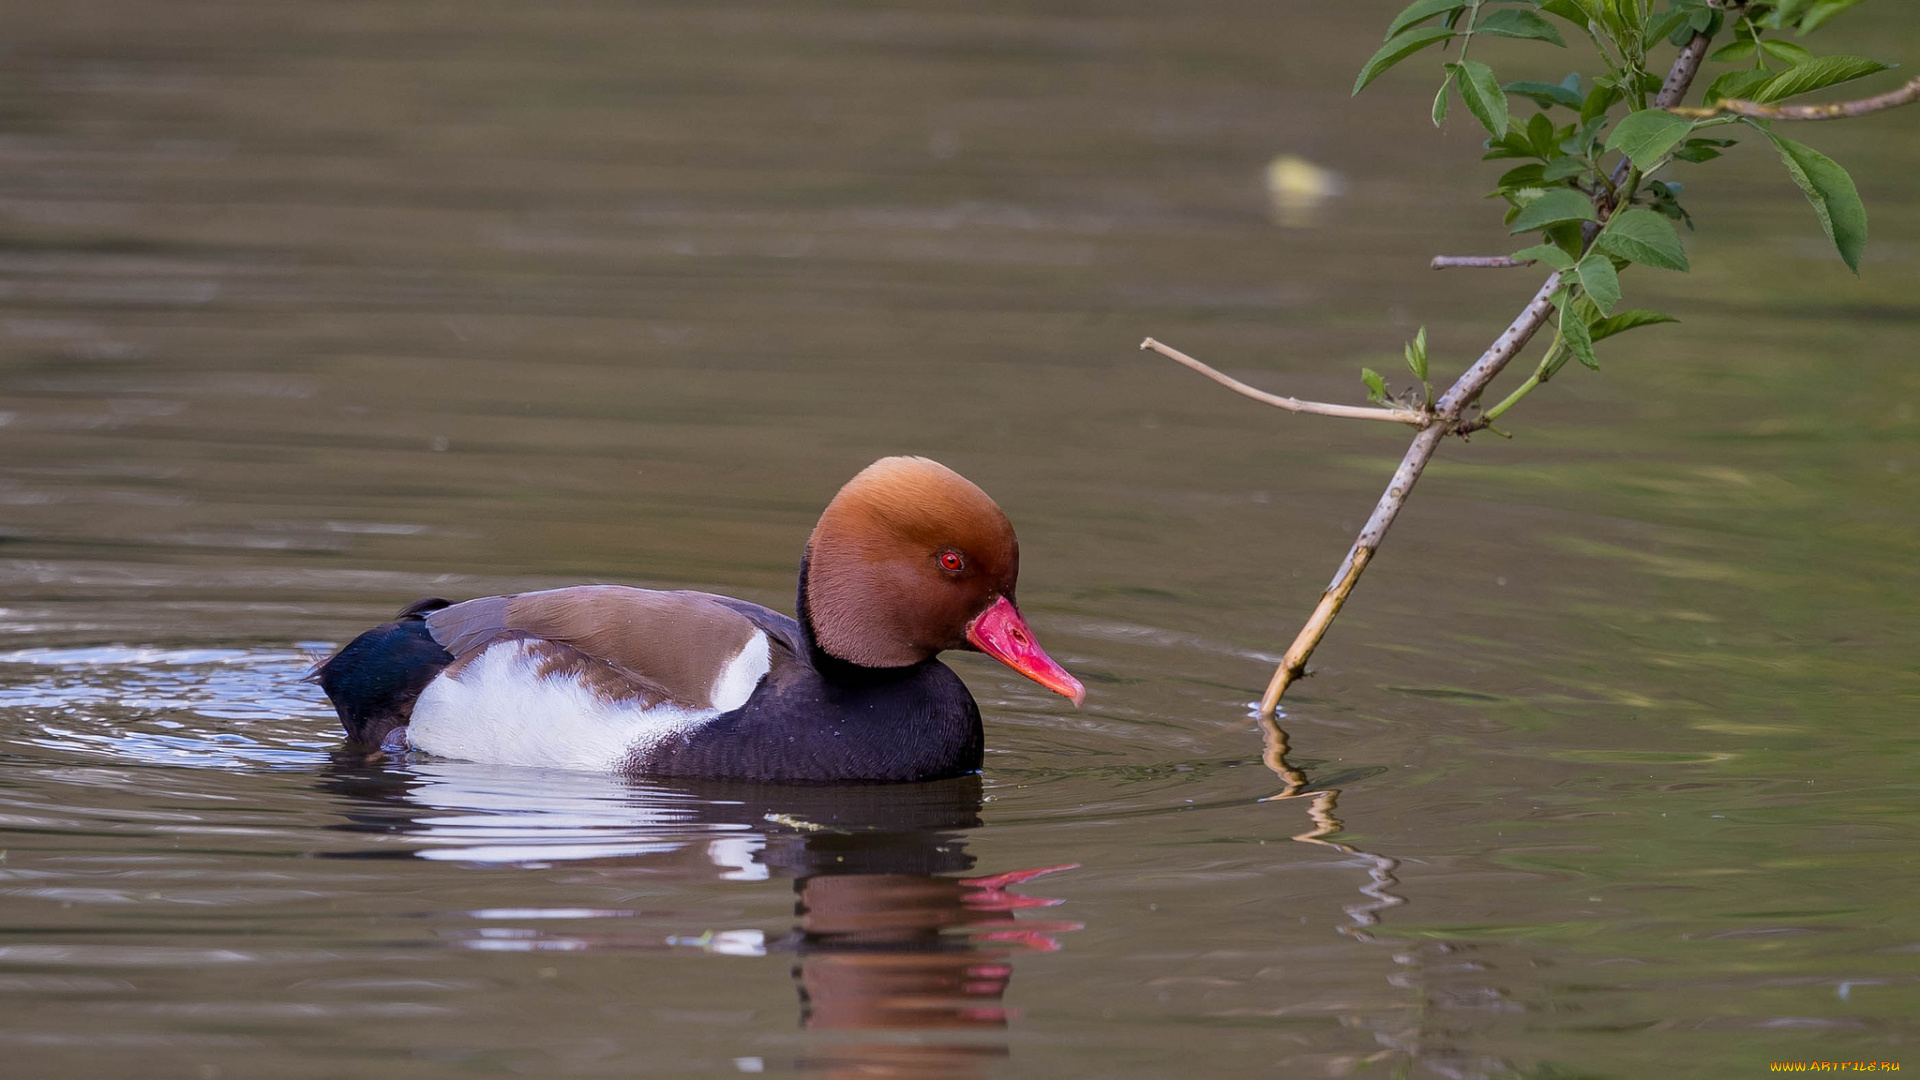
{"x":247,"y":709}
{"x":214,"y":708}
{"x":98,"y":710}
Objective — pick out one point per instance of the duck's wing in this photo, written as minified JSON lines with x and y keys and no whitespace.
{"x":689,"y":650}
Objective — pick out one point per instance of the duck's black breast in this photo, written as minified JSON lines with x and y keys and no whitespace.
{"x":812,"y":720}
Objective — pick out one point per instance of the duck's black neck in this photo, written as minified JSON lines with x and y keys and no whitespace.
{"x":834,"y":669}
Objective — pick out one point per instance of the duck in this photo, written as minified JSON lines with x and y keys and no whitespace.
{"x":908,"y":560}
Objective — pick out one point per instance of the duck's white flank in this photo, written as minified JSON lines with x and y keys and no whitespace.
{"x":498,"y":708}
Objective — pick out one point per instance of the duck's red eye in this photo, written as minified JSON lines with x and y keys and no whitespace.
{"x":952,"y":562}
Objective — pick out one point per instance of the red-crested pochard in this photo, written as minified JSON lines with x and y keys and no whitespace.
{"x":909,"y":559}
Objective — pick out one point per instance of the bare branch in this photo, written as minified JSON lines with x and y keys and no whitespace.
{"x":1446,"y":413}
{"x":1687,"y":65}
{"x":1838,"y":110}
{"x":1477,"y":262}
{"x":1317,"y":408}
{"x":1499,"y":354}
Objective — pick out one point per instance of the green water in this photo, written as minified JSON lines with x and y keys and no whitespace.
{"x":309,"y":310}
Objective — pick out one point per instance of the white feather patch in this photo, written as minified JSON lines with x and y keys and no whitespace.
{"x":498,"y":708}
{"x":735,"y":683}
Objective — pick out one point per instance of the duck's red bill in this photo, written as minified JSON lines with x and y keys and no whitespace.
{"x":1001,"y":633}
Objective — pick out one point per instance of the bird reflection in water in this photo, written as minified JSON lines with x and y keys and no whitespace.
{"x":901,"y":953}
{"x":901,"y":959}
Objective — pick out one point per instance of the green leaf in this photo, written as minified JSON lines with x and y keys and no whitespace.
{"x":1508,"y":146}
{"x":1521,"y":176}
{"x":1816,"y":75}
{"x":1518,"y":23}
{"x":1551,"y":254}
{"x":1601,"y":98}
{"x":1645,"y":237}
{"x":1623,"y":321}
{"x":1583,"y":140}
{"x":1666,"y":200}
{"x":1697,"y":150}
{"x":1540,"y":136}
{"x":1786,"y":50}
{"x":1736,"y":85}
{"x":1560,"y":204}
{"x":1739,"y":50}
{"x":1666,"y":26}
{"x":1545,"y":95}
{"x":1701,"y":19}
{"x":1573,"y":331}
{"x":1788,"y":12}
{"x":1440,"y":100}
{"x":1397,"y":49}
{"x":1622,"y":17}
{"x":1566,"y":9}
{"x":1646,"y":136}
{"x":1376,"y":386}
{"x":1417,"y":355}
{"x":1422,"y":10}
{"x":1833,"y":195}
{"x":1823,"y":11}
{"x":1599,"y":280}
{"x":1482,"y":93}
{"x":1562,"y":168}
{"x":1518,"y":197}
{"x":1570,"y":235}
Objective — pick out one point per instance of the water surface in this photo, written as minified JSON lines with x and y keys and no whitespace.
{"x":309,"y":310}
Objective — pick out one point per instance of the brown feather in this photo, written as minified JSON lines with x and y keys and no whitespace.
{"x":670,"y":645}
{"x":606,"y":680}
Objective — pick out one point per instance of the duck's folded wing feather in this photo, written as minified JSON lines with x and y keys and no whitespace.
{"x":686,"y":649}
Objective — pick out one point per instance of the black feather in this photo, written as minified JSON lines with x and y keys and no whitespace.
{"x":375,"y":679}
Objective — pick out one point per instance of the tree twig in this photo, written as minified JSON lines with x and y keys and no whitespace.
{"x":1687,"y":64}
{"x":1477,"y":262}
{"x":1838,"y":110}
{"x":1446,"y":416}
{"x":1446,"y":413}
{"x":1317,"y":408}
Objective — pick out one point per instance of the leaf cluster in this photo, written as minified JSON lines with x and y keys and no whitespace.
{"x":1590,"y":181}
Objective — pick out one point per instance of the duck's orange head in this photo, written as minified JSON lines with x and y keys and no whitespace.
{"x":911,"y":558}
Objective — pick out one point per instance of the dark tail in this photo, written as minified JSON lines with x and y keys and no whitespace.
{"x":374,"y":680}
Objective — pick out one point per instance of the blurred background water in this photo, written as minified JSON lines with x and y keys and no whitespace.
{"x":310,"y":309}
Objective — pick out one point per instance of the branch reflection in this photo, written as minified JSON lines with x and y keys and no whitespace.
{"x":1452,"y":993}
{"x":1321,"y":807}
